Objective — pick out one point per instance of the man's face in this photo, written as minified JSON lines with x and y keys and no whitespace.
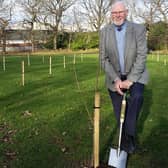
{"x":119,"y":14}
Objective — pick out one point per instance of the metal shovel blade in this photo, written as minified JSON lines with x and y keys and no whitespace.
{"x":117,"y":161}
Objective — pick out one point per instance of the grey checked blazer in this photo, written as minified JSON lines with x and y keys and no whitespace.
{"x":135,"y":54}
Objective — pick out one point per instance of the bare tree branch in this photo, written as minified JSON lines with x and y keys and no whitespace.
{"x":152,"y":11}
{"x":31,"y":10}
{"x":5,"y":18}
{"x":52,"y":14}
{"x":96,"y":11}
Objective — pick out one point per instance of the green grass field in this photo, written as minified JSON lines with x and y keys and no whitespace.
{"x":48,"y":122}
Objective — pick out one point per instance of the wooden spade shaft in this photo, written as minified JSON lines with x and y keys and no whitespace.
{"x":122,"y":118}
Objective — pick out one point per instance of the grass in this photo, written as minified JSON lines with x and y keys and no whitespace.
{"x":46,"y":123}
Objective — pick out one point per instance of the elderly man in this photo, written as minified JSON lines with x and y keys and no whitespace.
{"x":123,"y":52}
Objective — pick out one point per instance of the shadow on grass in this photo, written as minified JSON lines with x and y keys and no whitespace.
{"x":145,"y":110}
{"x":37,"y":92}
{"x":58,"y":141}
{"x":76,"y":134}
{"x":104,"y":153}
{"x":157,"y":144}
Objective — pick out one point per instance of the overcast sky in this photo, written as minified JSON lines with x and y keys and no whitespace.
{"x":19,"y":13}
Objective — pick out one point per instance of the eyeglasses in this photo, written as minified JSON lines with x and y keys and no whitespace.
{"x":118,"y":12}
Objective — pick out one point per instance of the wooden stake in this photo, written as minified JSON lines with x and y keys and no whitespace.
{"x":64,"y":63}
{"x":4,"y":63}
{"x":96,"y":129}
{"x":50,"y":72}
{"x":74,"y":61}
{"x":28,"y":59}
{"x":165,"y":62}
{"x":158,"y":56}
{"x":81,"y":57}
{"x":43,"y":59}
{"x":23,"y":73}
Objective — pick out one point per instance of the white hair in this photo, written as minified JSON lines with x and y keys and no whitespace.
{"x":119,"y":1}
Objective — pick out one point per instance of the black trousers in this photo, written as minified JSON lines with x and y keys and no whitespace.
{"x":133,"y":107}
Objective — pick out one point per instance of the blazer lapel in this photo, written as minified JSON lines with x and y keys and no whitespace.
{"x":113,"y":45}
{"x":128,"y":39}
{"x":114,"y":41}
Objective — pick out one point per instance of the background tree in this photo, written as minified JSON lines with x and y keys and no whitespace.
{"x":73,"y":22}
{"x":96,"y":11}
{"x":150,"y":11}
{"x":31,"y":11}
{"x":5,"y":19}
{"x":162,"y":7}
{"x":52,"y":14}
{"x":158,"y":36}
{"x":153,"y":13}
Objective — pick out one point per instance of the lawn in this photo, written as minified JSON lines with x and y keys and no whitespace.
{"x":48,"y":122}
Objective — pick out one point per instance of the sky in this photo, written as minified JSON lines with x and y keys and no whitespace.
{"x":19,"y":11}
{"x":19,"y":14}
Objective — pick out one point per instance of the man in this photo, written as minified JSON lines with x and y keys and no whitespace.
{"x":123,"y":52}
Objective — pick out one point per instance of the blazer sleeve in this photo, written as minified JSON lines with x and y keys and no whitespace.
{"x":141,"y":54}
{"x":104,"y":58}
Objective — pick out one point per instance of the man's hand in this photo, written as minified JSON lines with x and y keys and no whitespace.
{"x":126,"y":84}
{"x":118,"y":86}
